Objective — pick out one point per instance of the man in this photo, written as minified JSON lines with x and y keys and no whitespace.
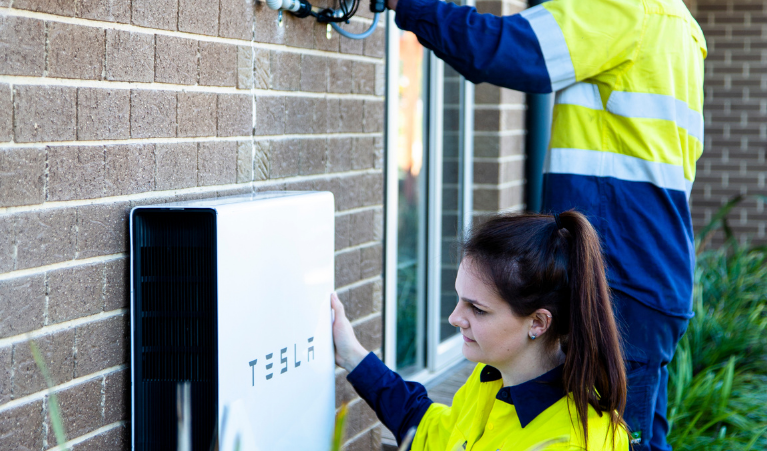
{"x":627,"y":131}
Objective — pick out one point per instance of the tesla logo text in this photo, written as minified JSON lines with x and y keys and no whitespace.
{"x":269,"y":363}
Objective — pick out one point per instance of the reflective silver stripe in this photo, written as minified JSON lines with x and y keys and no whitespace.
{"x":553,"y":45}
{"x":657,"y":106}
{"x":608,"y":164}
{"x":581,"y":94}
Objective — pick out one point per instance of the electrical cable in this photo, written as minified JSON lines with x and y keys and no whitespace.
{"x":362,"y":35}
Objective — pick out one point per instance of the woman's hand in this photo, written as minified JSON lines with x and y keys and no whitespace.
{"x":349,"y":351}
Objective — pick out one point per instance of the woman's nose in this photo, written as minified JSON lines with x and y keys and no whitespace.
{"x":457,"y":319}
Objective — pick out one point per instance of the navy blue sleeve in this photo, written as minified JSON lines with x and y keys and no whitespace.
{"x":399,"y":404}
{"x":503,"y":51}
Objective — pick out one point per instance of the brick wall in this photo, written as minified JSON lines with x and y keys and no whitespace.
{"x":499,"y":136}
{"x":109,"y":104}
{"x":735,"y":111}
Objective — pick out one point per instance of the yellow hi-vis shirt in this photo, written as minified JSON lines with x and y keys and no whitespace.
{"x":482,"y":419}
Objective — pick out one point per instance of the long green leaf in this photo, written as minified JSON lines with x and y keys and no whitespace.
{"x":53,"y":400}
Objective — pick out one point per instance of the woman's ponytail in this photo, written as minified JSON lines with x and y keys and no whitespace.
{"x":536,"y":261}
{"x":594,"y":371}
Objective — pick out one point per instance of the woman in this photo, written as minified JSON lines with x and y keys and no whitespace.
{"x":534,"y":310}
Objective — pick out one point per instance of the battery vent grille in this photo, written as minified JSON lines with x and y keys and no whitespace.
{"x":175,"y":324}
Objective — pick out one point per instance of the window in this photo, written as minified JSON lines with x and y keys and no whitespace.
{"x":428,"y":204}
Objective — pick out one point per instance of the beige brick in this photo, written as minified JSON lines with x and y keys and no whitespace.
{"x":380,"y":88}
{"x":22,"y":427}
{"x":321,"y":38}
{"x":130,"y":56}
{"x":22,"y":176}
{"x":284,"y":158}
{"x":360,"y":417}
{"x":153,"y":114}
{"x":26,"y":59}
{"x":314,"y":73}
{"x":371,"y":259}
{"x":344,"y":390}
{"x":314,"y":157}
{"x":116,"y":288}
{"x":370,"y":333}
{"x":216,"y":163}
{"x":75,"y":51}
{"x":129,"y":169}
{"x":235,"y":115}
{"x":75,"y":292}
{"x":262,"y":161}
{"x":76,"y":172}
{"x":161,"y":14}
{"x":236,"y":19}
{"x":103,"y":114}
{"x":244,"y":67}
{"x":196,"y":114}
{"x":57,"y":351}
{"x":6,"y":369}
{"x":7,"y":243}
{"x":300,"y":32}
{"x":117,"y":439}
{"x":58,"y":7}
{"x":218,"y":64}
{"x":44,"y":113}
{"x":358,"y":302}
{"x":345,"y":115}
{"x":370,"y":439}
{"x":306,"y":115}
{"x":102,"y":344}
{"x":340,"y":74}
{"x":176,"y":165}
{"x":117,"y":396}
{"x":266,"y":28}
{"x":6,"y":112}
{"x":367,"y":153}
{"x":175,"y":60}
{"x":363,"y":78}
{"x":354,"y":46}
{"x":374,"y":116}
{"x":362,"y":227}
{"x":375,"y":45}
{"x":342,"y":235}
{"x":102,"y":229}
{"x":262,"y":73}
{"x":270,"y":115}
{"x":285,"y":72}
{"x":80,"y":409}
{"x":45,"y":237}
{"x":340,"y":155}
{"x":22,"y":304}
{"x":198,"y":16}
{"x":244,"y":162}
{"x":347,"y":268}
{"x":105,"y":10}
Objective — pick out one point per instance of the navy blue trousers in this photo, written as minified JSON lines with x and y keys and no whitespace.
{"x":650,"y":338}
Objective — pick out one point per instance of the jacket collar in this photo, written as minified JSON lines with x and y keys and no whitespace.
{"x":529,"y":398}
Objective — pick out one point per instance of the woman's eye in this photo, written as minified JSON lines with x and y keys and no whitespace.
{"x":478,"y":311}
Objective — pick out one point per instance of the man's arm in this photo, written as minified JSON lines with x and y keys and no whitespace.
{"x":482,"y":47}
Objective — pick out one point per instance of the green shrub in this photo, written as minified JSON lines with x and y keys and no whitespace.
{"x":717,"y":380}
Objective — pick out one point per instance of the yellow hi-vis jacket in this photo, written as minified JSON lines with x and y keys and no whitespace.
{"x":482,"y":419}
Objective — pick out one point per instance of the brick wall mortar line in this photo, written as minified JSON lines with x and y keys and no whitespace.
{"x":506,"y":159}
{"x":510,"y":184}
{"x":359,"y":283}
{"x":352,"y":211}
{"x":46,"y":50}
{"x":155,"y":86}
{"x":346,"y":250}
{"x":44,"y":430}
{"x":351,"y":439}
{"x":199,"y":37}
{"x":359,"y":321}
{"x":193,"y":139}
{"x":103,"y":397}
{"x":514,"y":132}
{"x":58,"y":327}
{"x":193,"y":190}
{"x":47,"y":288}
{"x":73,"y":383}
{"x":500,"y":107}
{"x":512,"y":209}
{"x":75,"y":441}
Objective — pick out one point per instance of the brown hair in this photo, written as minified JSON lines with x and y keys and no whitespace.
{"x":533,"y":263}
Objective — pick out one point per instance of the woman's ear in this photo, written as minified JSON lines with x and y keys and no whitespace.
{"x":541,"y":321}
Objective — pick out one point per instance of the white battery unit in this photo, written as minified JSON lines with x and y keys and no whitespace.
{"x":230,"y":305}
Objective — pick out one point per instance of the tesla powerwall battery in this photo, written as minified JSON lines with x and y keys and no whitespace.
{"x":230,"y":305}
